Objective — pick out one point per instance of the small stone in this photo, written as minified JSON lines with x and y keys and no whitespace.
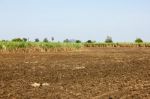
{"x":45,"y":84}
{"x":35,"y":85}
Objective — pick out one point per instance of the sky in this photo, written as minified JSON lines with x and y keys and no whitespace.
{"x":123,"y":20}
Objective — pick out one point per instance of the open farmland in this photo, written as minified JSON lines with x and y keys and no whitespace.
{"x":93,"y":73}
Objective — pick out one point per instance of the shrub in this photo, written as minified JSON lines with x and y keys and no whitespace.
{"x":4,"y":41}
{"x":17,"y":40}
{"x":138,"y":40}
{"x":37,"y":40}
{"x":45,"y":40}
{"x":24,"y":39}
{"x":78,"y":41}
{"x":89,"y":41}
{"x":109,"y":40}
{"x":66,"y":41}
{"x":52,"y":38}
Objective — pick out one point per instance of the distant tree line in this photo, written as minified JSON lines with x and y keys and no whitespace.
{"x":46,"y":40}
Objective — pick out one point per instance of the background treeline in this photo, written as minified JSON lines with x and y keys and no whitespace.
{"x":107,"y":40}
{"x":67,"y":45}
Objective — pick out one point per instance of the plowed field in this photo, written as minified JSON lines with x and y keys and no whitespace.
{"x":93,"y":73}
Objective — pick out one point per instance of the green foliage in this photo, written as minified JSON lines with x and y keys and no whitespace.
{"x":45,"y":40}
{"x":40,"y":45}
{"x":36,"y":40}
{"x":109,"y":40}
{"x":66,"y":41}
{"x":78,"y":41}
{"x":25,"y":39}
{"x":138,"y":40}
{"x":89,"y":41}
{"x":13,"y":45}
{"x":9,"y":45}
{"x":17,"y":40}
{"x":4,"y":40}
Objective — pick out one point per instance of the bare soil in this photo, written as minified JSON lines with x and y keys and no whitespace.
{"x":94,"y":73}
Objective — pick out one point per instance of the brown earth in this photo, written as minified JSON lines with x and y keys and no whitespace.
{"x":96,"y":73}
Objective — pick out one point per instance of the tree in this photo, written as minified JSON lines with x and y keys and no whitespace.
{"x":52,"y":38}
{"x":3,"y":40}
{"x":138,"y":40}
{"x":37,"y":40}
{"x":69,"y":41}
{"x":17,"y":40}
{"x":109,"y":39}
{"x":24,"y":39}
{"x":45,"y":40}
{"x":66,"y":41}
{"x":78,"y":41}
{"x":89,"y":41}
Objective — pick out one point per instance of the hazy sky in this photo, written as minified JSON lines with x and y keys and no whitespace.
{"x":124,"y":20}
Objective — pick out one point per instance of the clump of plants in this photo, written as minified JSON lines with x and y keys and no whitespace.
{"x":36,"y":40}
{"x":45,"y":40}
{"x":108,"y":39}
{"x":138,"y":40}
{"x":19,"y":44}
{"x":78,"y":41}
{"x":17,"y":40}
{"x":90,"y":41}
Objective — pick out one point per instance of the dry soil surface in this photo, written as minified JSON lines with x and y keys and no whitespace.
{"x":94,"y":73}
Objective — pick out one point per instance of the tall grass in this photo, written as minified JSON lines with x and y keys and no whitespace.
{"x":39,"y":46}
{"x":56,"y":46}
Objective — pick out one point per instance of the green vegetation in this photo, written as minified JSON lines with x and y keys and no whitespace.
{"x":17,"y":40}
{"x":39,"y":46}
{"x":138,"y":40}
{"x":25,"y":39}
{"x":109,"y":40}
{"x":67,"y":45}
{"x":45,"y":40}
{"x":37,"y":40}
{"x":89,"y":41}
{"x":78,"y":41}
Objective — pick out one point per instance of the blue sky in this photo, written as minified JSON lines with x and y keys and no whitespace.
{"x":124,"y":20}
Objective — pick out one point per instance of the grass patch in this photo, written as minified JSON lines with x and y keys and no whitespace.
{"x":40,"y":46}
